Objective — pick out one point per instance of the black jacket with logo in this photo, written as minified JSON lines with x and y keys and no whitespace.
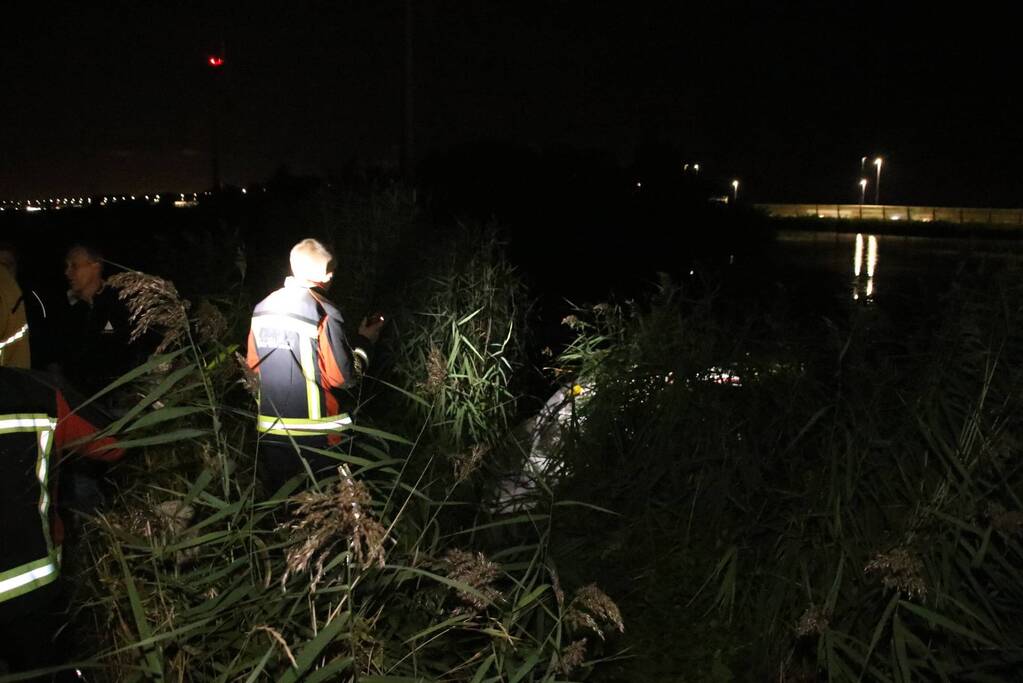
{"x":298,"y":347}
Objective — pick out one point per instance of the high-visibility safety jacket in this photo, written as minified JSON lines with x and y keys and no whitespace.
{"x":36,"y":422}
{"x":14,"y":349}
{"x":298,"y":347}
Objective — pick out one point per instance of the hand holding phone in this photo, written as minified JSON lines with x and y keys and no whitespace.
{"x":371,"y":325}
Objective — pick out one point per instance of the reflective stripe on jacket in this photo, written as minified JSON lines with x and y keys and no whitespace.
{"x":28,"y":559}
{"x":14,"y":345}
{"x":298,"y":347}
{"x":35,"y":419}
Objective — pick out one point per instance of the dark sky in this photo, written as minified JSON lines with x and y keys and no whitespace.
{"x":115,"y":96}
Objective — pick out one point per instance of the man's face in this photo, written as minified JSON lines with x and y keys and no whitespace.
{"x":82,"y":273}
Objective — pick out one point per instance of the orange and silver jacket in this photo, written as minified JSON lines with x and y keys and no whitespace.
{"x":298,"y":347}
{"x":14,"y":349}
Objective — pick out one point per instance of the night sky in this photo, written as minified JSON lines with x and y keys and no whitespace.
{"x":115,"y":97}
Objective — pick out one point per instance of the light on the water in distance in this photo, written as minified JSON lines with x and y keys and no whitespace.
{"x":858,"y":255}
{"x":871,"y":255}
{"x":871,"y":261}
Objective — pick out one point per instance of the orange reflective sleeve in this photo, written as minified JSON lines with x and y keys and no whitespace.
{"x":251,"y":355}
{"x":331,"y":372}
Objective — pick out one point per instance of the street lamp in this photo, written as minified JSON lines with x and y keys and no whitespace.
{"x":863,"y":190}
{"x":735,"y":191}
{"x":863,"y":164}
{"x":877,"y":183}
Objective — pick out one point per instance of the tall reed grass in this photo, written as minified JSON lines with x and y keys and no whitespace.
{"x":392,"y":571}
{"x":847,"y":509}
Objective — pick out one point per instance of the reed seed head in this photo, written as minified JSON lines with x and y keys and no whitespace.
{"x":899,"y":570}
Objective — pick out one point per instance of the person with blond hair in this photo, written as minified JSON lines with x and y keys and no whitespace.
{"x":298,"y":348}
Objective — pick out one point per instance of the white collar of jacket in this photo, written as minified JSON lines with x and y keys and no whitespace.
{"x":293,"y":282}
{"x":329,"y":308}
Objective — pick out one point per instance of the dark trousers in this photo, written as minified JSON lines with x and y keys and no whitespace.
{"x":35,"y":638}
{"x":278,"y":462}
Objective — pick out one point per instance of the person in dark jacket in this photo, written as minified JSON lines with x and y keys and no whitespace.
{"x":39,"y":422}
{"x":298,"y":347}
{"x":94,"y":329}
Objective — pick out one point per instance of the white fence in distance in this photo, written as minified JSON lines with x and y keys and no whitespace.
{"x":886,"y":212}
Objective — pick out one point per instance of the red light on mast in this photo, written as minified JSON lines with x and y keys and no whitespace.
{"x":215,"y":61}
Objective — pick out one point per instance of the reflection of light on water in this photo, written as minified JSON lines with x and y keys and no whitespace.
{"x":872,"y":251}
{"x":858,"y":255}
{"x":871,"y":255}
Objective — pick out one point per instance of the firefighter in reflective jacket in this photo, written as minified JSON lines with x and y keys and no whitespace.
{"x":298,"y":348}
{"x":36,"y":421}
{"x":14,"y":349}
